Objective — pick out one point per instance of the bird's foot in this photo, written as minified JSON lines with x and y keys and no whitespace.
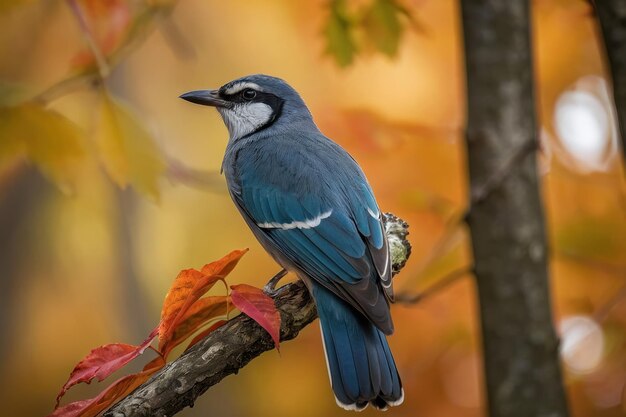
{"x":270,"y":287}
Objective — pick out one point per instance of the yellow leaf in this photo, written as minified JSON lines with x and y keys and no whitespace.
{"x":48,"y":139}
{"x":128,"y":153}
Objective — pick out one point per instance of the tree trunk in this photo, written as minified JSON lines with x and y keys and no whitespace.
{"x":522,"y":370}
{"x":21,"y":198}
{"x":612,"y":18}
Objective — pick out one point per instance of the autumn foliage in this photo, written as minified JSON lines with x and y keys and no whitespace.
{"x":184,"y":312}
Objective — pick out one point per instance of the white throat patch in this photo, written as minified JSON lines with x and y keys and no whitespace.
{"x":244,"y":118}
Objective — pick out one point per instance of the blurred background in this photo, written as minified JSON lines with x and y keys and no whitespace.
{"x":109,"y":185}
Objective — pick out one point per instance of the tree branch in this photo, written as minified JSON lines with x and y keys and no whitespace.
{"x":229,"y":348}
{"x":441,"y":283}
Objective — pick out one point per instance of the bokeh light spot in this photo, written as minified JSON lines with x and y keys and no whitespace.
{"x":585,"y":125}
{"x":582,"y":343}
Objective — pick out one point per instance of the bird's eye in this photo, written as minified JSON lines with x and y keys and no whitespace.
{"x":248,"y":94}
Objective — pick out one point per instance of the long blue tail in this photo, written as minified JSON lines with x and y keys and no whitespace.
{"x":360,"y":364}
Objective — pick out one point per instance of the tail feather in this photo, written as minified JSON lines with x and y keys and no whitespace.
{"x":386,"y":378}
{"x":396,"y":395}
{"x":360,"y":365}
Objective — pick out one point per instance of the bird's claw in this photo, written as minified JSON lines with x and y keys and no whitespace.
{"x":270,"y":287}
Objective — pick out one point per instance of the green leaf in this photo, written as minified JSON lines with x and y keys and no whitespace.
{"x":338,"y":33}
{"x":48,"y":139}
{"x":128,"y":153}
{"x":383,"y":27}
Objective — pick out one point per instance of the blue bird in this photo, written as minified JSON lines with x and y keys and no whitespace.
{"x":310,"y":206}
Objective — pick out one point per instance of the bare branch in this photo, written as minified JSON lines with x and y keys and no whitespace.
{"x":67,"y":86}
{"x":574,"y":257}
{"x":452,"y":234}
{"x":605,"y":309}
{"x":484,"y":189}
{"x":440,"y":284}
{"x":179,"y":172}
{"x":176,"y":39}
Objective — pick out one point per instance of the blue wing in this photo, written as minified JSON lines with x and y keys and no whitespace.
{"x":328,"y":227}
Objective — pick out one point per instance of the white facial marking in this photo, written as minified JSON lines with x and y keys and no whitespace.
{"x":234,"y":89}
{"x":243,"y":119}
{"x":306,"y":224}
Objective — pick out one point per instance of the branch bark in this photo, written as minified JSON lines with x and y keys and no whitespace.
{"x":522,"y":370}
{"x":612,"y":19}
{"x":230,"y":347}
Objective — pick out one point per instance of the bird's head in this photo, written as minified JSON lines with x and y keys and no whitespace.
{"x":253,"y":103}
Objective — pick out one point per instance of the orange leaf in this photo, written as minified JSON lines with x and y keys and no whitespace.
{"x":204,"y":333}
{"x":103,"y":361}
{"x":117,"y":390}
{"x":257,"y":305}
{"x":201,"y":312}
{"x":188,"y":287}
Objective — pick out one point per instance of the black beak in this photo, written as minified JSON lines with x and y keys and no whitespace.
{"x":206,"y":98}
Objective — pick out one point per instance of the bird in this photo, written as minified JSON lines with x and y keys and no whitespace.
{"x":310,"y":206}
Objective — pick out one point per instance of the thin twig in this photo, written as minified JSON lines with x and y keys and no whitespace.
{"x":406,"y":298}
{"x":177,"y":41}
{"x":103,"y":66}
{"x":448,"y":238}
{"x":571,"y":256}
{"x":205,"y":180}
{"x":603,"y":312}
{"x":497,"y":177}
{"x":93,"y":76}
{"x":67,"y":86}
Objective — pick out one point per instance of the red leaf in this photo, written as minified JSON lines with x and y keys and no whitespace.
{"x":116,"y":391}
{"x":257,"y":305}
{"x":204,"y":333}
{"x":188,"y":287}
{"x":103,"y":361}
{"x":202,"y":311}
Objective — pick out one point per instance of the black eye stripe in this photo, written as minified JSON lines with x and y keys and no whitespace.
{"x":260,"y":97}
